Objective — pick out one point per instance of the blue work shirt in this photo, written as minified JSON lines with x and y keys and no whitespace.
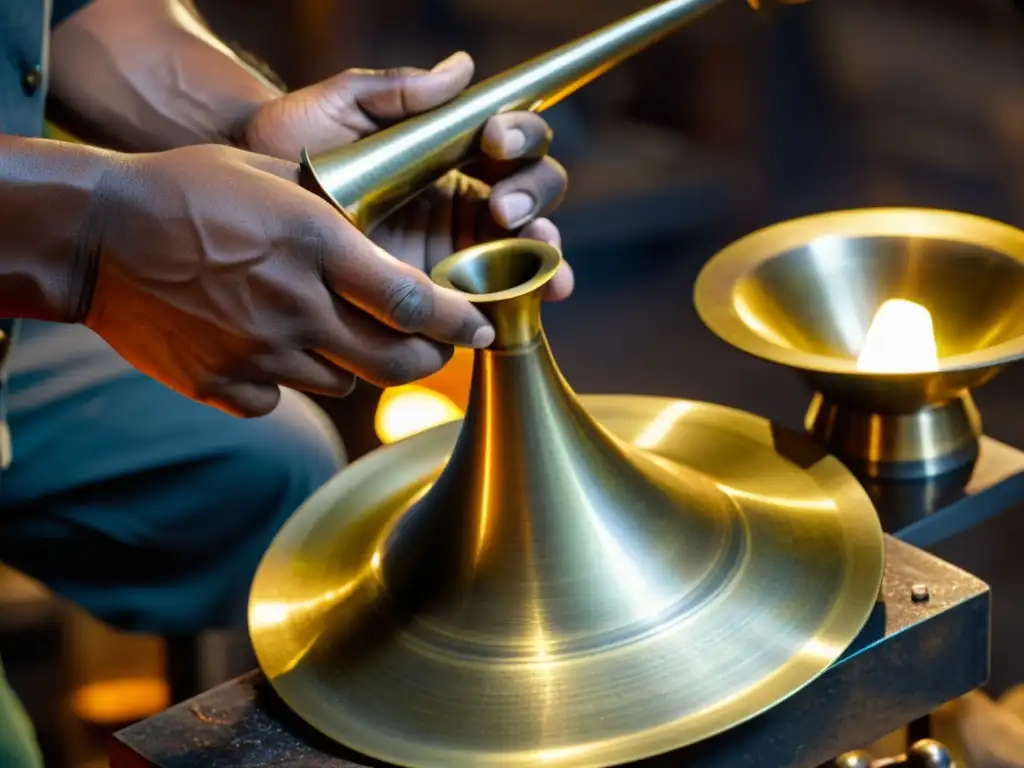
{"x":24,"y":64}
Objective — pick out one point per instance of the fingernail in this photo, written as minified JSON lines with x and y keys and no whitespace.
{"x":447,"y":63}
{"x":516,"y":207}
{"x":483,"y":337}
{"x":513,"y":143}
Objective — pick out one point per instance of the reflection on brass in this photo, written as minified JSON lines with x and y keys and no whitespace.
{"x":759,"y":4}
{"x":892,"y":316}
{"x":561,"y":581}
{"x":929,"y":753}
{"x":854,"y":760}
{"x":926,"y":753}
{"x":371,"y":178}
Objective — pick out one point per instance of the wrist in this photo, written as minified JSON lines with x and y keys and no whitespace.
{"x":245,"y":133}
{"x":143,"y":76}
{"x":55,"y":199}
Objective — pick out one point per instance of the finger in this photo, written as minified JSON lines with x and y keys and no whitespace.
{"x":246,"y":399}
{"x":405,"y":232}
{"x":561,"y":285}
{"x":307,"y":372}
{"x":543,"y":230}
{"x":441,"y":224}
{"x":398,"y":295}
{"x":516,"y":135}
{"x":414,"y":233}
{"x":351,"y":105}
{"x":472,"y":214}
{"x":379,"y":354}
{"x":394,"y":94}
{"x":458,"y":216}
{"x":533,"y":191}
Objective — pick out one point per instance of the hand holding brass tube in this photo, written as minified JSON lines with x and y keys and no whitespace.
{"x":371,"y":178}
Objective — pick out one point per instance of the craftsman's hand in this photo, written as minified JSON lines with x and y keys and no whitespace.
{"x":215,"y":273}
{"x":516,"y":185}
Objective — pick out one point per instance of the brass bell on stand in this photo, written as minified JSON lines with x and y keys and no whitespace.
{"x":562,"y":581}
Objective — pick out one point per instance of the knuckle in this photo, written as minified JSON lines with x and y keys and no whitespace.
{"x":408,"y":304}
{"x":316,"y":333}
{"x":345,"y":79}
{"x":545,"y":180}
{"x":548,"y":172}
{"x":312,"y":238}
{"x":556,"y":169}
{"x":398,"y":75}
{"x":398,"y":94}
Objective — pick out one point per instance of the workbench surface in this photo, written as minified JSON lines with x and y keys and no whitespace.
{"x":911,"y":658}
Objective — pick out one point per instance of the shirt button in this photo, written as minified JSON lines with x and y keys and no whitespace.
{"x":31,"y":80}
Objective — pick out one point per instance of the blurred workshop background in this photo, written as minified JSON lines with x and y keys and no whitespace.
{"x":736,"y":123}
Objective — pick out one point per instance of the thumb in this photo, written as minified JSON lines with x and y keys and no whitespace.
{"x":394,"y":94}
{"x":351,"y":105}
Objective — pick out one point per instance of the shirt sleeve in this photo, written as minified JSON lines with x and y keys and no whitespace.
{"x":62,"y":9}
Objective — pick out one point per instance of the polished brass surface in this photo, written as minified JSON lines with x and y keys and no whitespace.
{"x":854,"y":760}
{"x":369,"y":179}
{"x":929,"y":753}
{"x":561,"y":581}
{"x":926,"y":753}
{"x":933,"y":440}
{"x":804,"y":294}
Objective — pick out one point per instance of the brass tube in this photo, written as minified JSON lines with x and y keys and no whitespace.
{"x":369,"y":179}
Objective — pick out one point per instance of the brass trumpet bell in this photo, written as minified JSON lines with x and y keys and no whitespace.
{"x":892,"y":316}
{"x":560,"y":581}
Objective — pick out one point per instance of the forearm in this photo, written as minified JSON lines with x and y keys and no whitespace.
{"x":49,"y":192}
{"x":148,"y":75}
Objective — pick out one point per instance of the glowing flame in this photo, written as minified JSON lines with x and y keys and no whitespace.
{"x":408,"y":410}
{"x":901,"y":339}
{"x":115,"y":702}
{"x":438,"y":399}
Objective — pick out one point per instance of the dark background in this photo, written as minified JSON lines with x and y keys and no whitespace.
{"x":735,"y":123}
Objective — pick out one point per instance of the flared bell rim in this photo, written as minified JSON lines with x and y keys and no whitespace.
{"x":863,"y":550}
{"x":547,"y":261}
{"x":717,"y":284}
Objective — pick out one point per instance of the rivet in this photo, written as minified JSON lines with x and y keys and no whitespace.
{"x":31,"y":80}
{"x":919,"y":593}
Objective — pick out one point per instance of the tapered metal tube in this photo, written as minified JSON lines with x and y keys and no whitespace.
{"x":370,"y":179}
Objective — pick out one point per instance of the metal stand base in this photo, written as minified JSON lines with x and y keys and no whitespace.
{"x":927,"y":643}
